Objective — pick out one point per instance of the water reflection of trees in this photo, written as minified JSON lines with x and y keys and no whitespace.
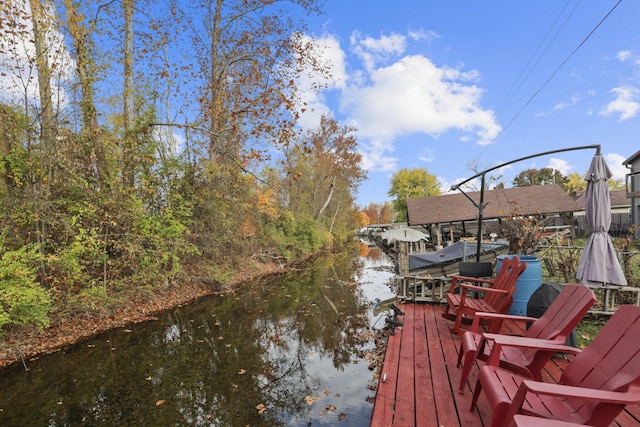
{"x":208,"y":364}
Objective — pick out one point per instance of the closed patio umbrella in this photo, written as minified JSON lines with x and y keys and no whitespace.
{"x":599,"y":265}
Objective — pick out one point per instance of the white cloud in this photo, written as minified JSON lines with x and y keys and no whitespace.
{"x":18,"y":75}
{"x":626,"y":103}
{"x":413,"y":95}
{"x":421,"y":34}
{"x":313,"y":103}
{"x":572,"y":101}
{"x":427,"y":155}
{"x":614,"y":161}
{"x":374,"y":155}
{"x":623,"y":55}
{"x":372,"y":51}
{"x":393,"y":94}
{"x":560,"y":165}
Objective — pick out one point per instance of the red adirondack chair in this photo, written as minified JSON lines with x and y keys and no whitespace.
{"x":527,"y":421}
{"x":593,"y":389}
{"x":497,"y":298}
{"x":557,"y":322}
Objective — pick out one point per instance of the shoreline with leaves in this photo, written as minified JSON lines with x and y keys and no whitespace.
{"x":19,"y":347}
{"x":143,"y":154}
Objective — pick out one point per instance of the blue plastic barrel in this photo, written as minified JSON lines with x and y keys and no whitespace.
{"x":529,"y":281}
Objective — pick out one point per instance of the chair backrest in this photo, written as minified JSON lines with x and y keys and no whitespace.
{"x":506,"y":279}
{"x":562,"y":315}
{"x":611,"y":362}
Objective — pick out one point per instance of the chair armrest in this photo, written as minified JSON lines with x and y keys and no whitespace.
{"x":455,"y":278}
{"x":523,"y":342}
{"x":628,"y":397}
{"x":466,"y":288}
{"x":475,"y":326}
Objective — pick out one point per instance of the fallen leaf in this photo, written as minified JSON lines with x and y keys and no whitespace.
{"x":242,"y":371}
{"x":312,"y":399}
{"x":261,"y":408}
{"x":160,"y":402}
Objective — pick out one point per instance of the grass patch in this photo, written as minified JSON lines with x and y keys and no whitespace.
{"x":588,"y":328}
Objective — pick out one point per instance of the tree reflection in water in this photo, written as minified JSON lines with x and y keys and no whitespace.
{"x":289,"y":350}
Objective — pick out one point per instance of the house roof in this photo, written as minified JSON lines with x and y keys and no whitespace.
{"x":455,"y":207}
{"x":632,"y":158}
{"x":618,"y":198}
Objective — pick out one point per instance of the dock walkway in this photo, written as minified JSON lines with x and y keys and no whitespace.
{"x":419,"y":379}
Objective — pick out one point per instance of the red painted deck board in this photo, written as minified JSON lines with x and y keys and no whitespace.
{"x":419,"y":379}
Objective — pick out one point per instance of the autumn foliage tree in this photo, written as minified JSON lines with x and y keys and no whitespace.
{"x":379,"y":213}
{"x":140,"y":151}
{"x":411,"y":184}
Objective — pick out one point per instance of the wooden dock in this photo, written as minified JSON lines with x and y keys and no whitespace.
{"x":419,"y":379}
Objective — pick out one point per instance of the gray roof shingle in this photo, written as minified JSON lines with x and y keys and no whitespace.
{"x":532,"y":200}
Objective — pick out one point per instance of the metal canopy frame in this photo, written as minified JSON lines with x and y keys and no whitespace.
{"x":481,"y":204}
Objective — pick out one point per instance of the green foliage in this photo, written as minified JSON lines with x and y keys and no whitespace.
{"x":411,"y":184}
{"x":90,"y":299}
{"x":72,"y":264}
{"x":307,"y":237}
{"x":14,"y":166}
{"x":160,"y":242}
{"x":293,"y":237}
{"x":22,"y":300}
{"x":279,"y":230}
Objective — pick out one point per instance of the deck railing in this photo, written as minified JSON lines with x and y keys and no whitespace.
{"x":560,"y":264}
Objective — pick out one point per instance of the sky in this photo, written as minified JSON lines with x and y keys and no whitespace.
{"x":458,"y":87}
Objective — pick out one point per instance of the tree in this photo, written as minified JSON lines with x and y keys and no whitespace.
{"x":82,"y":33}
{"x":616,"y":184}
{"x":322,"y":171}
{"x":249,"y":55}
{"x":111,"y":199}
{"x":128,"y":96}
{"x":492,"y":180}
{"x":411,"y":184}
{"x":538,"y":177}
{"x":575,"y":184}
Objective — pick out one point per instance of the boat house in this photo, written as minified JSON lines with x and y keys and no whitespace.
{"x":450,"y":217}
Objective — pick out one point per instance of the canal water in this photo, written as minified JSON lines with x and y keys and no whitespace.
{"x":292,"y":350}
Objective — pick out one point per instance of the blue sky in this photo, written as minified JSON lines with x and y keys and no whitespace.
{"x":445,"y":84}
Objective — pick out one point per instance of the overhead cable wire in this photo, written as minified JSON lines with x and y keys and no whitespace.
{"x":546,"y":82}
{"x":511,"y":92}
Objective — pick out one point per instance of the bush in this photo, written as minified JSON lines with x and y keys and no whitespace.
{"x":22,"y":300}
